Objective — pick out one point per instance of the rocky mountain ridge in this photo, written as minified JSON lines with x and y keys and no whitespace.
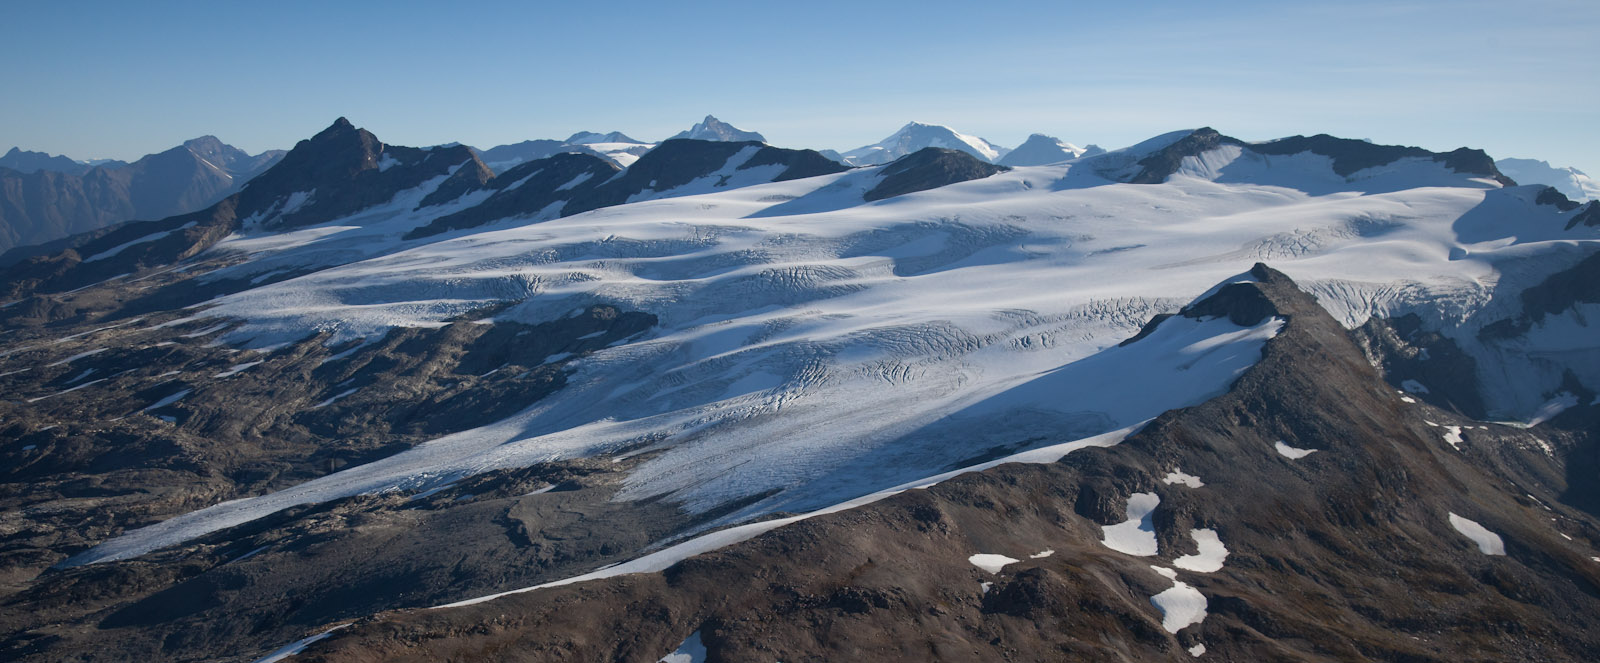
{"x":50,"y":200}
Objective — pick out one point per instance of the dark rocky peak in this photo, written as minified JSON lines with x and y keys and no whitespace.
{"x":677,"y":162}
{"x":1350,"y":156}
{"x":217,"y":152}
{"x":1588,"y":216}
{"x":343,"y":169}
{"x":1156,"y":167}
{"x":799,"y":164}
{"x":1551,"y":196}
{"x":929,"y":168}
{"x":1245,"y":300}
{"x":27,"y":162}
{"x":1254,"y":296}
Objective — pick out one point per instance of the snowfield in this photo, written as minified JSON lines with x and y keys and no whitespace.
{"x":1488,"y":542}
{"x":822,"y":349}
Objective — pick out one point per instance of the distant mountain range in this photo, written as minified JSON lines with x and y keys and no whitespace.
{"x":615,"y":146}
{"x":44,"y":198}
{"x":23,"y":161}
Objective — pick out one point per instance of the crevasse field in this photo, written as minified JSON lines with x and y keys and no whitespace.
{"x":813,"y":349}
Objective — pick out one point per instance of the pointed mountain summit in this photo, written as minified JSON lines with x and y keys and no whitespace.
{"x":916,"y":136}
{"x":344,"y":169}
{"x":230,"y":159}
{"x":712,"y":128}
{"x":1040,"y":149}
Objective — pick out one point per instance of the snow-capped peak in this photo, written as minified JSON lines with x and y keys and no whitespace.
{"x":712,"y":128}
{"x":1573,"y":183}
{"x":917,"y":135}
{"x":1040,"y":149}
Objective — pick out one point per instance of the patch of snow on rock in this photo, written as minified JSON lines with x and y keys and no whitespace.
{"x":335,"y":398}
{"x":1488,"y":542}
{"x":991,"y":562}
{"x":78,"y":356}
{"x":1136,"y":535}
{"x":236,"y":369}
{"x":1198,"y":650}
{"x":167,"y":401}
{"x":1292,"y":453}
{"x":1452,"y":434}
{"x":1042,"y":554}
{"x":1180,"y":606}
{"x":1177,"y":475}
{"x":1211,"y":554}
{"x":298,"y":646}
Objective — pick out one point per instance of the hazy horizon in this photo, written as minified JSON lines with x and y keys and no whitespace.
{"x":111,"y":81}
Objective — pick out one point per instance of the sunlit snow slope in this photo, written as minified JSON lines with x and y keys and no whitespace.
{"x":813,"y":348}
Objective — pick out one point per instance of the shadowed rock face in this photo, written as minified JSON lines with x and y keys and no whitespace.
{"x":1350,"y":156}
{"x":1558,"y":293}
{"x":1404,"y":351}
{"x":1588,"y":216}
{"x":1157,"y":167}
{"x":343,"y":171}
{"x":929,"y":168}
{"x":1343,"y":554}
{"x":527,"y":189}
{"x":581,"y":182}
{"x":677,"y":162}
{"x":1550,"y":196}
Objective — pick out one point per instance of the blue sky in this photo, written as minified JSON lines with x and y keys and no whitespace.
{"x":121,"y":79}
